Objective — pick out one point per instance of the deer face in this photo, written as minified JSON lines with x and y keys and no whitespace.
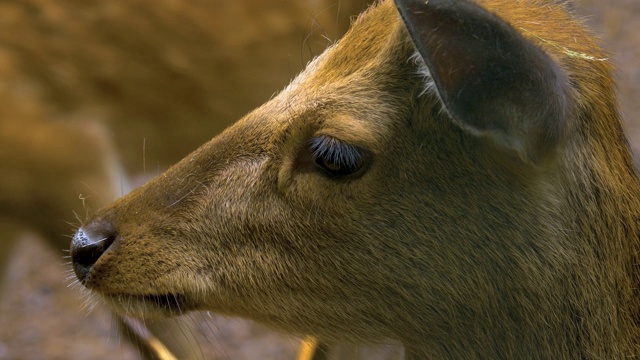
{"x":402,"y":186}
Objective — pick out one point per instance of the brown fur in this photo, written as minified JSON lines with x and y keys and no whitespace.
{"x":159,"y":75}
{"x":84,"y":87}
{"x":449,"y":243}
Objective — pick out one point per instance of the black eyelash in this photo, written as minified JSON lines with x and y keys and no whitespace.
{"x":336,"y":157}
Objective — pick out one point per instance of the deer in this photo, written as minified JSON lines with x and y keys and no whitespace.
{"x":98,"y":97}
{"x":451,"y":176}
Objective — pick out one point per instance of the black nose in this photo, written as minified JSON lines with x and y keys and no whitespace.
{"x":88,"y":244}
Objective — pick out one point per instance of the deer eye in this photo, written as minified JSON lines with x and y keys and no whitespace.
{"x":337,"y":158}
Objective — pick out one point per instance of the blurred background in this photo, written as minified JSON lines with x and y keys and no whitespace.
{"x":88,"y":85}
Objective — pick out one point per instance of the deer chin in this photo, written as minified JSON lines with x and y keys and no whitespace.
{"x":149,"y":306}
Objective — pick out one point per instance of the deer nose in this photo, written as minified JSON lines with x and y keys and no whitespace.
{"x":88,"y":244}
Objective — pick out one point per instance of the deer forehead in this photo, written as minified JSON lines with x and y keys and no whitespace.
{"x":348,"y":91}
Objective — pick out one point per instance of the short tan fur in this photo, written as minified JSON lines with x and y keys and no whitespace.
{"x":368,"y":203}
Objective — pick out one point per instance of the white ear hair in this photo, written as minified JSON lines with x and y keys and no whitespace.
{"x":429,"y":86}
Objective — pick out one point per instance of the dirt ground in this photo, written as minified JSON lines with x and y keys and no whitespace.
{"x":40,"y":318}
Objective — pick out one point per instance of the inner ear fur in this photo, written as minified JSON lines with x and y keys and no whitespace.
{"x":493,"y":82}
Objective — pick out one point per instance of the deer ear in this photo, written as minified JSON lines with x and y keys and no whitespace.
{"x":493,"y":82}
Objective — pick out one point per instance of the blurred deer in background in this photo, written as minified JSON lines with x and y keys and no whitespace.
{"x":84,"y":86}
{"x":452,"y":176}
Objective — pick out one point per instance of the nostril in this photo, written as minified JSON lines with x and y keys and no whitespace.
{"x":88,"y":245}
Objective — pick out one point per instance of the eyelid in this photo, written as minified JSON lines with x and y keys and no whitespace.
{"x":352,"y":134}
{"x":336,"y":151}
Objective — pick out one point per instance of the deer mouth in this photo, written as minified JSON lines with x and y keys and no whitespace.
{"x":149,"y":306}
